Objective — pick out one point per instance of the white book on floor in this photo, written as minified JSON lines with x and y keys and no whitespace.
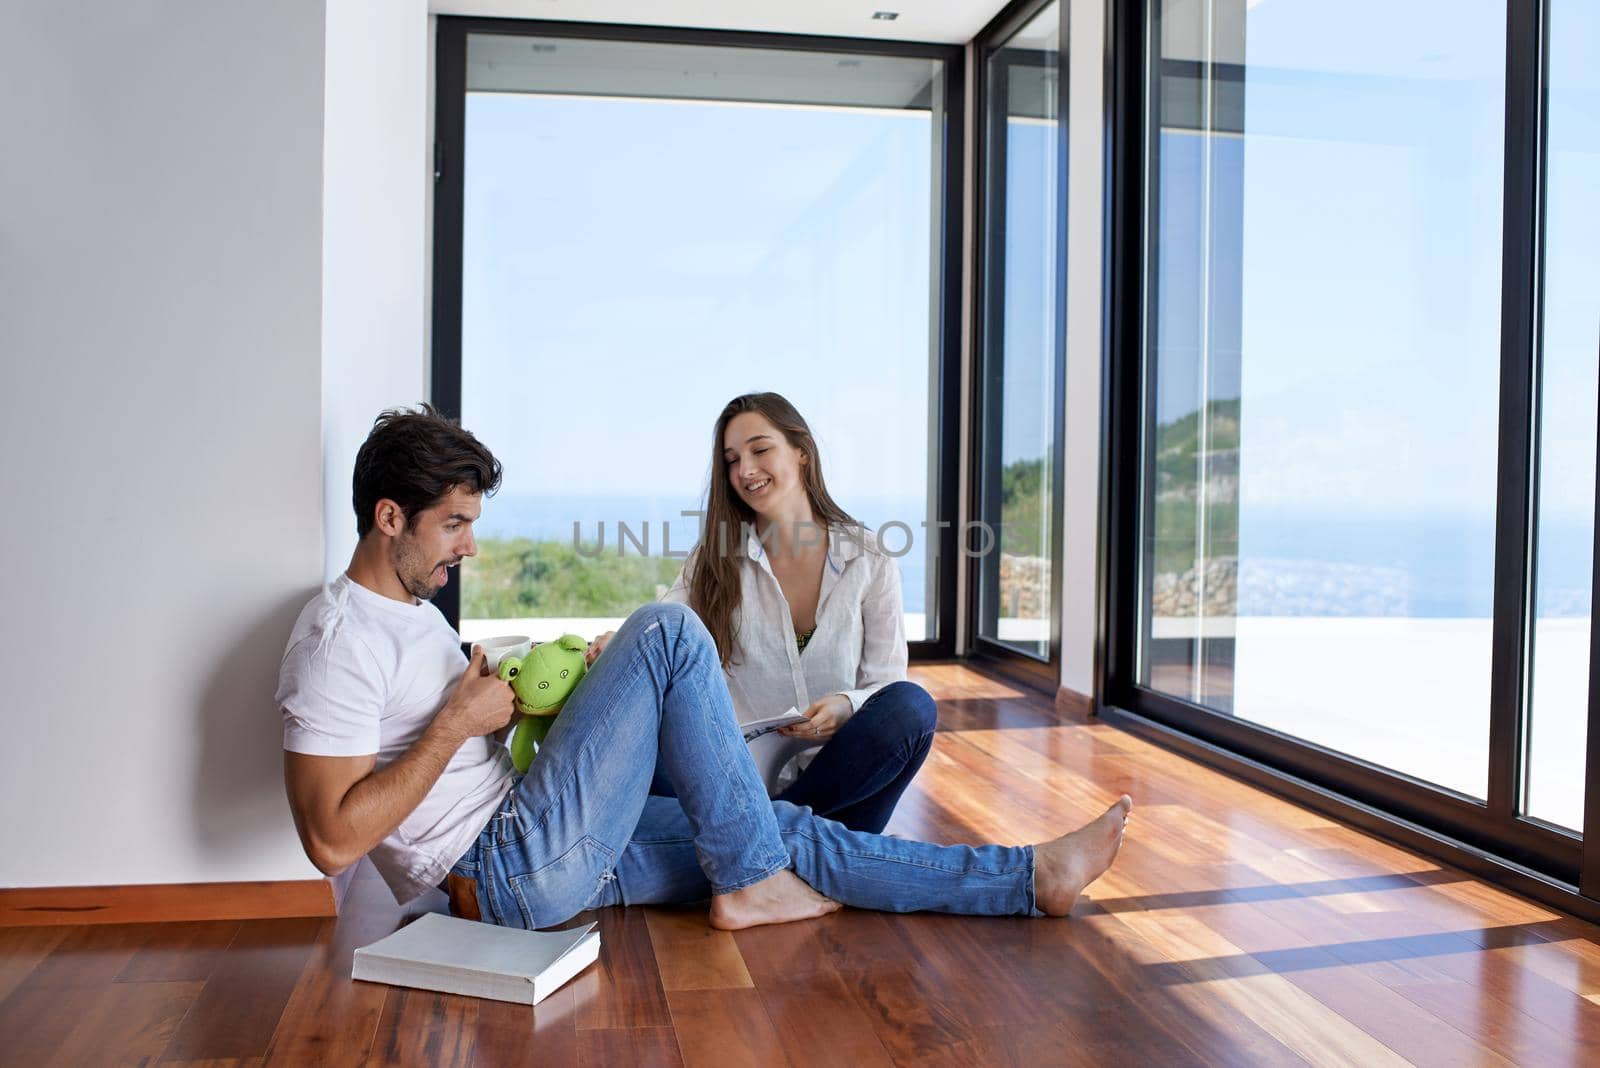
{"x":480,"y":960}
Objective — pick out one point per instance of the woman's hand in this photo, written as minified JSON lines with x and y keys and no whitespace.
{"x":596,"y":647}
{"x":826,"y":716}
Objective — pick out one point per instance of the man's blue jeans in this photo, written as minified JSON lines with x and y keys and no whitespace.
{"x":580,"y":830}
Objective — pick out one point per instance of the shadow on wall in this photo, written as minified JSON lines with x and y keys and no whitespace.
{"x":238,"y":785}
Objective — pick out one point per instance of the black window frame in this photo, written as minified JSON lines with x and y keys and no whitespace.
{"x":985,"y":413}
{"x":450,"y":95}
{"x":1489,"y":838}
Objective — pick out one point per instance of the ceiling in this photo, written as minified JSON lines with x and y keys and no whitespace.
{"x":941,"y":21}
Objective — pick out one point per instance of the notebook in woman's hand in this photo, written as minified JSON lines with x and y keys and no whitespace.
{"x":757,"y":727}
{"x":771,"y":750}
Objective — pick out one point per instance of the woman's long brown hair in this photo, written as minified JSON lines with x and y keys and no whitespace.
{"x":714,"y":584}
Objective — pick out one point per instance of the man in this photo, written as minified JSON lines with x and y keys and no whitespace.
{"x":393,"y":749}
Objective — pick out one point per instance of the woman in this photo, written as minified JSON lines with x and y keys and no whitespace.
{"x":805,"y":612}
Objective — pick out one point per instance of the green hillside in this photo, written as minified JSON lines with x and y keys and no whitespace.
{"x":514,"y":578}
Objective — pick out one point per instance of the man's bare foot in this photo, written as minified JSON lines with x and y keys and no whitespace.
{"x":1063,"y":866}
{"x":778,"y":898}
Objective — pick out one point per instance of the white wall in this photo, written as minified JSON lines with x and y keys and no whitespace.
{"x":160,"y":291}
{"x":377,"y":173}
{"x":1081,"y":454}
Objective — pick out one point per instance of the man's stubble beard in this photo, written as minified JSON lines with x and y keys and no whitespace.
{"x":415,"y":570}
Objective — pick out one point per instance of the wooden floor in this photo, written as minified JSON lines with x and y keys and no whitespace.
{"x":1235,"y":929}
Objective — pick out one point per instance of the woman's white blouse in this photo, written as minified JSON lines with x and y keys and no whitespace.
{"x":859,"y":645}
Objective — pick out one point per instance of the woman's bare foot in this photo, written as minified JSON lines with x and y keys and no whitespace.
{"x":1063,"y":866}
{"x":778,"y":898}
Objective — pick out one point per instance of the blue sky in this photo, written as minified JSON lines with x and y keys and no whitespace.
{"x":632,"y":265}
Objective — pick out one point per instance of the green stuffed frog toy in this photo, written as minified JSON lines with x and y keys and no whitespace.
{"x":541,"y":682}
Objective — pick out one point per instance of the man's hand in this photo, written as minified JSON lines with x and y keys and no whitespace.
{"x":481,"y":703}
{"x":597,"y":647}
{"x":826,"y":715}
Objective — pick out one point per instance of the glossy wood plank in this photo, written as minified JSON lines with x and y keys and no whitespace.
{"x":998,"y":970}
{"x":1031,"y":991}
{"x":179,"y":951}
{"x":106,"y":1023}
{"x":242,"y":1002}
{"x":1207,"y":1027}
{"x":1521,"y":1006}
{"x":87,"y":957}
{"x":1533,"y":968}
{"x":21,"y":951}
{"x":953,"y":680}
{"x":1289,"y":937}
{"x":1511,"y":1035}
{"x":693,"y":955}
{"x":504,"y":1033}
{"x":724,"y":1029}
{"x":126,"y":1023}
{"x":623,"y":989}
{"x":808,"y":1002}
{"x":1092,"y":1038}
{"x":818,"y":1015}
{"x":1244,"y":921}
{"x":1203,"y":957}
{"x":972,"y":714}
{"x":638,"y":1047}
{"x":34,"y":1021}
{"x":907,"y":1015}
{"x":424,"y":1027}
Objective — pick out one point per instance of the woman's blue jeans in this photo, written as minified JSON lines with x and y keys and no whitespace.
{"x":580,"y":830}
{"x":858,"y":777}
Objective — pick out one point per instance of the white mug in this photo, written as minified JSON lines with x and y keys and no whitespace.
{"x":497,"y":649}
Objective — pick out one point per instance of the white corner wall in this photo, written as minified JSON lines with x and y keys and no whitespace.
{"x":160,"y":292}
{"x":213,"y":276}
{"x":1081,"y":454}
{"x":377,"y":175}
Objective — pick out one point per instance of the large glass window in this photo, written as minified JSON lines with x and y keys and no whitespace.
{"x":650,"y":229}
{"x":1022,"y":338}
{"x":1322,"y":373}
{"x":1568,"y":388}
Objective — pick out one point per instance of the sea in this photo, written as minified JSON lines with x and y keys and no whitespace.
{"x":1428,"y":566}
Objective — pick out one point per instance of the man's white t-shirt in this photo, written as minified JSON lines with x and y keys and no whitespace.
{"x":366,"y":674}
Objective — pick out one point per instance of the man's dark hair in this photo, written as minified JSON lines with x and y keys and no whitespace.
{"x":415,"y":458}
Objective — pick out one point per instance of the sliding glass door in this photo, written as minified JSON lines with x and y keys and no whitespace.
{"x":651,"y":223}
{"x":1021,"y":344}
{"x":1353,"y":485}
{"x":1565,"y":493}
{"x":1324,"y":376}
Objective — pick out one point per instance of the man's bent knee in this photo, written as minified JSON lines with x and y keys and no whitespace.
{"x":675,"y":615}
{"x":662,"y":612}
